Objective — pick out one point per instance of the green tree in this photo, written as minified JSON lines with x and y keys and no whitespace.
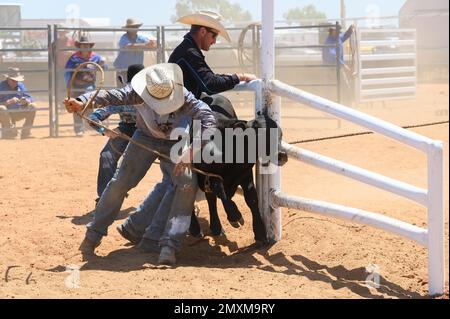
{"x":306,"y":13}
{"x":230,"y":12}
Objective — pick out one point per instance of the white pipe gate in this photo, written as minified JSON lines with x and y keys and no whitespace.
{"x":271,"y":198}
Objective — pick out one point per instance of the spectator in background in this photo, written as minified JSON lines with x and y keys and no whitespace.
{"x":333,"y":42}
{"x":135,"y":44}
{"x":14,"y":98}
{"x":86,"y":79}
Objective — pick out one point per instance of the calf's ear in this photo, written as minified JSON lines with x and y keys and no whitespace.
{"x":282,"y":158}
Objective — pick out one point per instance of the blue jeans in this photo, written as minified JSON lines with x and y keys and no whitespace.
{"x":135,"y":164}
{"x":150,"y":219}
{"x":109,"y":157}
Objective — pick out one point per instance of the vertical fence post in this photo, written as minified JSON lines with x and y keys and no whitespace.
{"x":436,"y":261}
{"x":338,"y":62}
{"x":159,"y":52}
{"x":163,"y":44}
{"x":56,"y":82}
{"x":50,"y":81}
{"x":271,"y":181}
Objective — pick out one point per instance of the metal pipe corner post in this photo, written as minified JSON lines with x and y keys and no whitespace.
{"x":436,"y":249}
{"x":338,"y":64}
{"x":50,"y":80}
{"x":269,"y":178}
{"x":55,"y":83}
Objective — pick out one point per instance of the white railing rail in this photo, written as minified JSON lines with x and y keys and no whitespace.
{"x":370,"y":122}
{"x":416,"y":194}
{"x":354,"y":215}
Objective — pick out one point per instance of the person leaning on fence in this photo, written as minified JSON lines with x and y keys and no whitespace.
{"x":85,"y":80}
{"x":134,"y":44}
{"x":15,"y":105}
{"x":329,"y":57}
{"x":115,"y":146}
{"x":162,"y":104}
{"x":198,"y":76}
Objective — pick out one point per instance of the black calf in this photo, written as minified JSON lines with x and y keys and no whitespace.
{"x":233,"y":174}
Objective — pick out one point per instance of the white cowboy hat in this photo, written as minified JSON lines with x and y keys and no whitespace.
{"x":206,"y":19}
{"x":132,"y":23}
{"x":161,"y":87}
{"x":14,"y":74}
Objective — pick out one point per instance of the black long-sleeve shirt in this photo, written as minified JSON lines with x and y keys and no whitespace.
{"x":198,"y":76}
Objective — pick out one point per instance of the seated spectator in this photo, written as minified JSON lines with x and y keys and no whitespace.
{"x":15,"y":105}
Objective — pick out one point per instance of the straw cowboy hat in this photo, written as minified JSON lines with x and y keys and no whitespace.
{"x":161,"y":87}
{"x":206,"y":19}
{"x":14,"y":74}
{"x":132,"y":23}
{"x":84,"y":40}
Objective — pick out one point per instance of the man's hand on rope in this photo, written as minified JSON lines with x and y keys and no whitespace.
{"x":184,"y":162}
{"x":73,"y":105}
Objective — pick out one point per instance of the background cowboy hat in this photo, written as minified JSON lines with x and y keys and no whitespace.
{"x":132,"y":23}
{"x":14,"y":74}
{"x":206,"y":19}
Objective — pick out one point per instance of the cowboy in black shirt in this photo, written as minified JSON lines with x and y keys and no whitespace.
{"x":198,"y":76}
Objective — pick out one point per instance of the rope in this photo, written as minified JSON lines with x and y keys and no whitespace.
{"x":362,"y":133}
{"x":242,"y":54}
{"x":353,"y":52}
{"x":119,"y":134}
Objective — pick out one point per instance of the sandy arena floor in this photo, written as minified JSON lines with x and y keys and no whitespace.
{"x":47,"y":189}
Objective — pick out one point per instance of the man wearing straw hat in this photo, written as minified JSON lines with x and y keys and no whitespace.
{"x":134,"y":44}
{"x":85,"y":80}
{"x":206,"y":26}
{"x":15,"y":105}
{"x":162,"y":105}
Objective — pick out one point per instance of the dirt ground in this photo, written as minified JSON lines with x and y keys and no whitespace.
{"x":48,"y":185}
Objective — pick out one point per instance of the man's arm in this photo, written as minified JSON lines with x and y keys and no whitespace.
{"x":25,"y":95}
{"x":200,"y":111}
{"x":151,"y":44}
{"x":123,"y":96}
{"x":145,"y":43}
{"x":68,"y":72}
{"x":209,"y":82}
{"x":348,"y":33}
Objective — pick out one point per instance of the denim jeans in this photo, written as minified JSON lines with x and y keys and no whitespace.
{"x":109,"y":157}
{"x":150,"y":219}
{"x":135,"y":164}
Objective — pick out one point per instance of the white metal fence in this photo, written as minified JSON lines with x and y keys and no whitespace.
{"x":271,"y":198}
